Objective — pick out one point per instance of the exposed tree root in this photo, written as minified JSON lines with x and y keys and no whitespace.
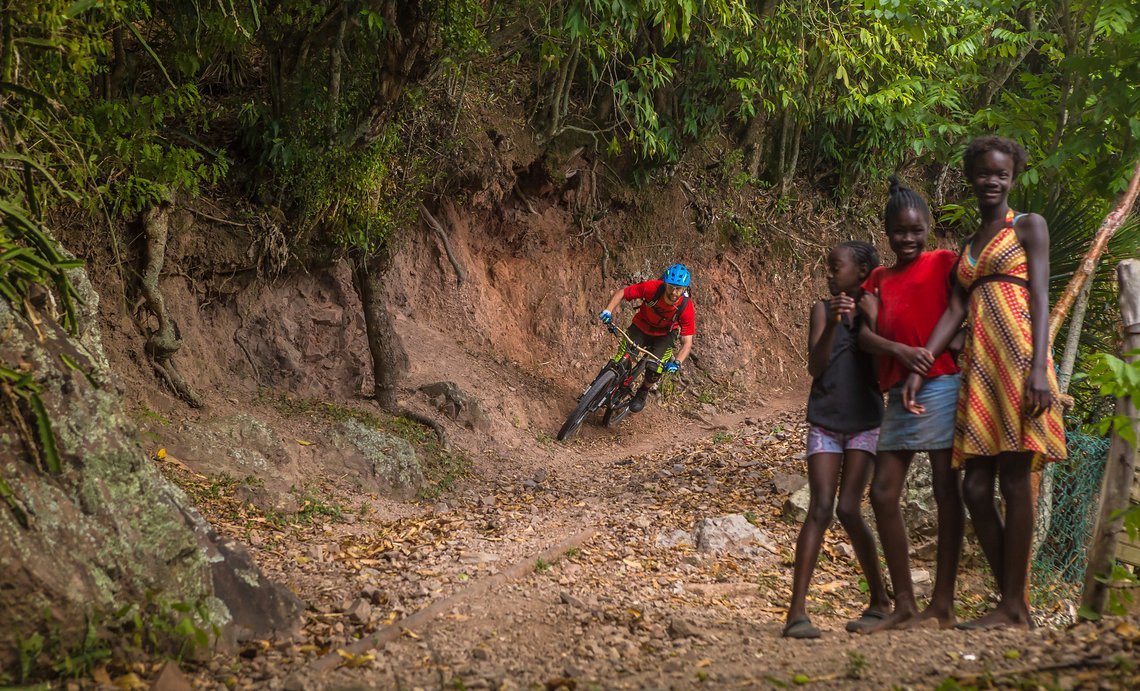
{"x":435,"y":225}
{"x":426,"y":421}
{"x":165,"y":341}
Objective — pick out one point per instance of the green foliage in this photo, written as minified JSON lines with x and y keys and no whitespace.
{"x":113,"y":146}
{"x":1119,"y":379}
{"x":665,"y":66}
{"x":332,"y":143}
{"x":862,"y":87}
{"x":313,"y":506}
{"x":167,"y":629}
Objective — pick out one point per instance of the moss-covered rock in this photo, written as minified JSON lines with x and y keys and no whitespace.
{"x":387,"y":459}
{"x":108,"y":531}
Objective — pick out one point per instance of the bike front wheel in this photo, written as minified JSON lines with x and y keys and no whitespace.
{"x":619,"y":408}
{"x":588,"y":403}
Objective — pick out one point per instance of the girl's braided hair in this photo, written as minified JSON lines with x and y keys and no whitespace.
{"x":902,"y":197}
{"x":980,"y":145}
{"x":864,"y":253}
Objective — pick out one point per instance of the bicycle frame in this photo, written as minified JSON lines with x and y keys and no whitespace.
{"x":625,"y":364}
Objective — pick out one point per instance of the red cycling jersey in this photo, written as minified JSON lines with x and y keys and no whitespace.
{"x":656,"y":318}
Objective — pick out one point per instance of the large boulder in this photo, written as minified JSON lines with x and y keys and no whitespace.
{"x":732,"y":534}
{"x":919,"y":509}
{"x":379,"y":458}
{"x":107,"y":531}
{"x":274,"y":469}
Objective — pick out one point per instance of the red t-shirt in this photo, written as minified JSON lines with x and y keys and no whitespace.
{"x":911,"y":301}
{"x":657,"y":319}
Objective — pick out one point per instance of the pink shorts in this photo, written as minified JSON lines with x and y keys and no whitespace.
{"x":823,"y":440}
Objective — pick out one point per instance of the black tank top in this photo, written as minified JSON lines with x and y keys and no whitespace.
{"x":846,"y":398}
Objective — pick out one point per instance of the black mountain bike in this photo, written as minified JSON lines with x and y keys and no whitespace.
{"x":615,"y":385}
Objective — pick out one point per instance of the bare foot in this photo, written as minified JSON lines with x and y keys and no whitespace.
{"x":893,"y":620}
{"x":999,"y":618}
{"x":931,"y":618}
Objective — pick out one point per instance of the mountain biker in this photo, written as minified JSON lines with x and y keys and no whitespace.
{"x":666,"y":309}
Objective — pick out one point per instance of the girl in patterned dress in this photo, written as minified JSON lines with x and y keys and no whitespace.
{"x":1008,"y":420}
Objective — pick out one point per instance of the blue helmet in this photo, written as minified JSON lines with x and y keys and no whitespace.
{"x":677,"y":275}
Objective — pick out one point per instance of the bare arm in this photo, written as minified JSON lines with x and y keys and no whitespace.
{"x":916,"y":359}
{"x":1033,"y":233}
{"x":615,"y":300}
{"x":949,"y":323}
{"x":821,"y":338}
{"x":686,"y":346}
{"x":913,"y":358}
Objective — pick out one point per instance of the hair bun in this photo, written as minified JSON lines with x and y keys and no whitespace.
{"x":895,"y":185}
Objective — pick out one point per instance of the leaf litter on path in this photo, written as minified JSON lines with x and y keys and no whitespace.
{"x":601,"y":614}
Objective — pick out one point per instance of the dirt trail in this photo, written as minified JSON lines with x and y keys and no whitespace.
{"x":618,"y":611}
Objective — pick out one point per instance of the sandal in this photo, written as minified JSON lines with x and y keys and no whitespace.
{"x":866,"y":620}
{"x":800,"y":628}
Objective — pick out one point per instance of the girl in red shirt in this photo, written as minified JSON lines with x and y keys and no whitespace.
{"x":904,"y":303}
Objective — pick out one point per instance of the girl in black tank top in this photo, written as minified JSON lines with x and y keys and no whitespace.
{"x":844,"y":409}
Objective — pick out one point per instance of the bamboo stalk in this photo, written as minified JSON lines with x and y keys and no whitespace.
{"x":1085,"y":271}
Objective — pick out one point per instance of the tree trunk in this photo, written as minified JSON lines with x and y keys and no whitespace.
{"x":336,"y":63}
{"x":1073,"y":338}
{"x":1118,"y":472}
{"x":1077,"y":291}
{"x":389,"y":359}
{"x":754,"y":145}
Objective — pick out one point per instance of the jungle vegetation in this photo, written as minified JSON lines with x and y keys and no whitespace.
{"x":332,"y":116}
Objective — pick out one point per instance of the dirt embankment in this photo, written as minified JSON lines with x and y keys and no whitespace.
{"x":519,"y":332}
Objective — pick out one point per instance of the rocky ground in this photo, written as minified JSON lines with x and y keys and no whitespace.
{"x":599,"y":569}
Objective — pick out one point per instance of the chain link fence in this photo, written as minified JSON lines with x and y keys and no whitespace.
{"x":1066,"y":517}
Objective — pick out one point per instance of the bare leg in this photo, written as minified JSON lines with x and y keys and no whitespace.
{"x":886,"y":489}
{"x":978,"y":490}
{"x":823,"y":478}
{"x":1014,"y":476}
{"x":857,"y":466}
{"x":951,"y":528}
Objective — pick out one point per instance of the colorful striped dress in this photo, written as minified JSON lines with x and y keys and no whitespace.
{"x":996,"y":360}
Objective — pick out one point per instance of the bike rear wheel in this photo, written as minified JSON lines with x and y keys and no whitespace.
{"x":588,"y":403}
{"x":619,"y":408}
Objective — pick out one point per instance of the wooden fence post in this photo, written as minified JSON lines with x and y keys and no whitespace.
{"x":1116,"y":486}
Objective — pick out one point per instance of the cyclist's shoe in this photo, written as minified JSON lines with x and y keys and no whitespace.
{"x":637,"y":404}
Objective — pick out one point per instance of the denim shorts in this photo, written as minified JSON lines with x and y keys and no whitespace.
{"x":933,"y":429}
{"x":823,"y":440}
